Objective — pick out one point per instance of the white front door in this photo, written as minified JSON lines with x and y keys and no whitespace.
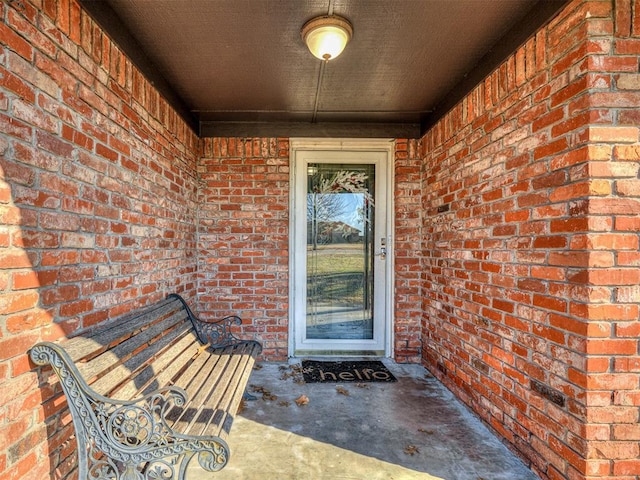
{"x":340,"y":241}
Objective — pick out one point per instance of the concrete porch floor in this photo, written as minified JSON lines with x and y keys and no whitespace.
{"x":411,"y":429}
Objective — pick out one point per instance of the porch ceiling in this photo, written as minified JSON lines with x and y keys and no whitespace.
{"x":240,"y":67}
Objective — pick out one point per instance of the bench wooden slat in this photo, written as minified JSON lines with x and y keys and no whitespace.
{"x":100,"y":338}
{"x":217,"y":397}
{"x":186,"y":367}
{"x":123,"y":370}
{"x":150,"y":375}
{"x":127,"y":345}
{"x":232,"y":394}
{"x":169,"y":365}
{"x":194,"y":381}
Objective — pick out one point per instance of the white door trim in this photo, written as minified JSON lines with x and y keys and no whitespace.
{"x":350,"y":145}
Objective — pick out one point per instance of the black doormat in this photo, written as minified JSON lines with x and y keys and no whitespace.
{"x":349,"y":371}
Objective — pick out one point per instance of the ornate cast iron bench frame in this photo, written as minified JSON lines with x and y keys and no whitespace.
{"x":151,"y":390}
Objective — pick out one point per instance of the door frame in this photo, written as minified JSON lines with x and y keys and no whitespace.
{"x":387,"y":146}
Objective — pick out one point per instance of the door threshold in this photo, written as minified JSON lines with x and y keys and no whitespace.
{"x":340,"y":353}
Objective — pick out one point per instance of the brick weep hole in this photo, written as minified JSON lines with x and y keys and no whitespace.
{"x":516,"y":232}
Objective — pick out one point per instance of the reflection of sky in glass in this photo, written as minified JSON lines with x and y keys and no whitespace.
{"x":354,"y":203}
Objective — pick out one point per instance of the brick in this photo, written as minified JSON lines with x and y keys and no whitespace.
{"x":629,"y":467}
{"x":51,"y":220}
{"x":582,"y":259}
{"x":622,"y":364}
{"x":625,"y":223}
{"x":628,"y":294}
{"x":15,"y":128}
{"x":629,"y":259}
{"x":605,"y":241}
{"x":12,"y":432}
{"x":628,"y":81}
{"x":629,"y":117}
{"x":36,"y":158}
{"x":612,"y":64}
{"x":27,"y":321}
{"x":17,"y":345}
{"x":551,"y":148}
{"x":14,"y":258}
{"x":548,"y":119}
{"x":615,"y":450}
{"x":570,"y":225}
{"x":615,"y":313}
{"x":550,"y":273}
{"x":614,"y":134}
{"x":615,"y":347}
{"x":550,"y":303}
{"x":53,"y":144}
{"x":19,"y":86}
{"x":571,"y":91}
{"x":613,"y":100}
{"x":582,"y":189}
{"x":18,"y":301}
{"x":106,"y":152}
{"x":550,"y":242}
{"x":627,"y":152}
{"x":59,"y":294}
{"x":615,"y":276}
{"x":629,"y":329}
{"x":15,"y":42}
{"x":25,"y":280}
{"x":72,"y":309}
{"x":628,"y":188}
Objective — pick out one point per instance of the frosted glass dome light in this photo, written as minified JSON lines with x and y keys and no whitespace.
{"x":327,"y":36}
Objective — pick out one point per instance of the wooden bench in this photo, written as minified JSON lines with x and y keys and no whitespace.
{"x":151,"y":390}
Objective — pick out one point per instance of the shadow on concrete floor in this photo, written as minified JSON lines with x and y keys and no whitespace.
{"x":411,"y":429}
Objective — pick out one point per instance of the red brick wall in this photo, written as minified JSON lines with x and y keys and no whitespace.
{"x":407,"y":248}
{"x":243,"y":238}
{"x":531,"y":200}
{"x":98,"y":198}
{"x":612,"y":372}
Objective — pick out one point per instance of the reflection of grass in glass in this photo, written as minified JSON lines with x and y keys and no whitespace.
{"x":335,"y":274}
{"x":335,"y":263}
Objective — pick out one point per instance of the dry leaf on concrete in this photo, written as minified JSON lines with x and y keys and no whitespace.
{"x":342,"y":391}
{"x":266,"y":394}
{"x":292,"y":371}
{"x":302,"y":400}
{"x":411,"y":450}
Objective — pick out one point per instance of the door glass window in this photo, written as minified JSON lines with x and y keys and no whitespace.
{"x":340,"y":216}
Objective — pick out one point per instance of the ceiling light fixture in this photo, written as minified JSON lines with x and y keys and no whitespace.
{"x":327,"y":36}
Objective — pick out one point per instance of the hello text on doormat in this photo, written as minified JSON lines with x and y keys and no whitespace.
{"x":350,"y":371}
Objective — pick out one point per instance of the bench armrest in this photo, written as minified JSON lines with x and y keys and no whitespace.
{"x":115,"y":437}
{"x":217,"y":333}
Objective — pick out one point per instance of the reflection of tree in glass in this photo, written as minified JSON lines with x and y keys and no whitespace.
{"x":325,"y":204}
